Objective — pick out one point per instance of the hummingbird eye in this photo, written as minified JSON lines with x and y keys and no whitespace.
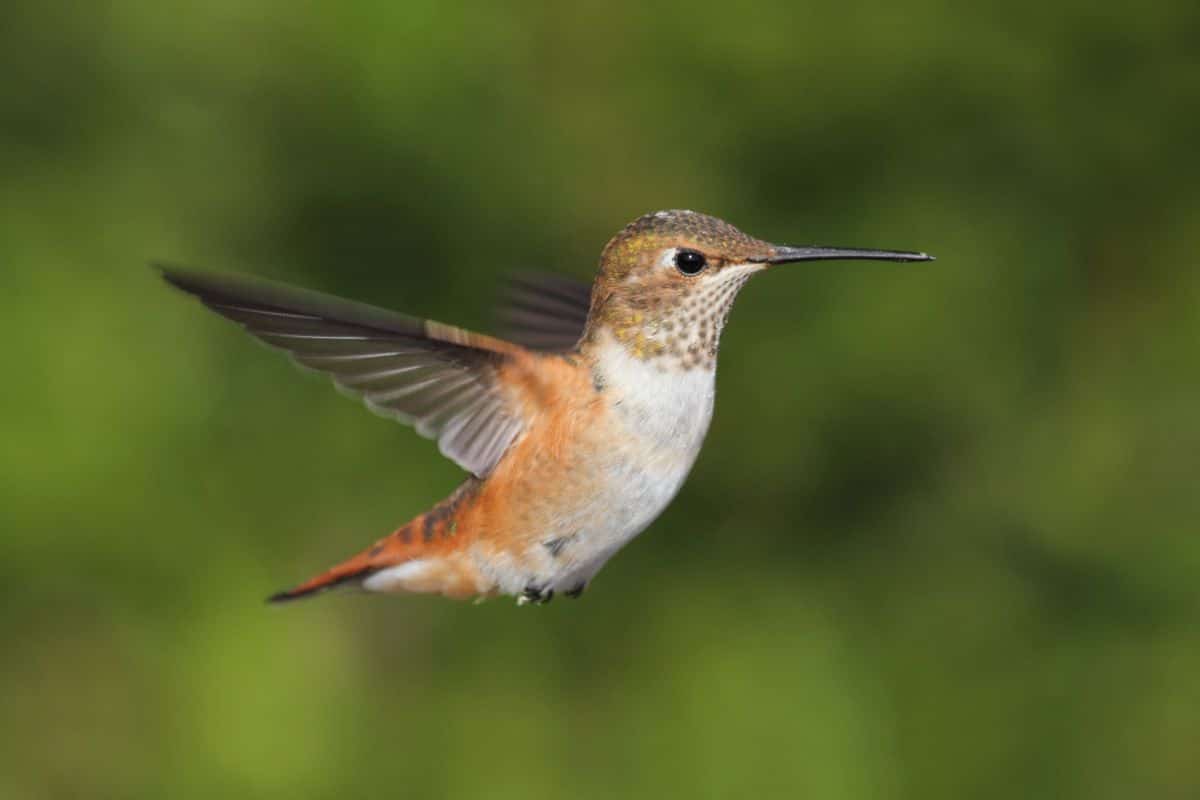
{"x":689,"y":262}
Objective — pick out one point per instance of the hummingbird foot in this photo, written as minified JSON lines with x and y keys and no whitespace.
{"x":575,"y":592}
{"x":536,"y":595}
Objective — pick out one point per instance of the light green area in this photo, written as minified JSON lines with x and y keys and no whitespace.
{"x":944,"y":541}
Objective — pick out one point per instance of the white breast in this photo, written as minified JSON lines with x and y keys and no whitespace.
{"x":662,"y":406}
{"x":660,"y":421}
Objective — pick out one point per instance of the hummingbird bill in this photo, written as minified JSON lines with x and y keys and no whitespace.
{"x":576,"y":430}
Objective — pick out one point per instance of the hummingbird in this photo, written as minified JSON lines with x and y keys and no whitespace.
{"x":576,"y":430}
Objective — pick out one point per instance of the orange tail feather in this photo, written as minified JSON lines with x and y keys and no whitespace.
{"x":426,"y":532}
{"x":384,"y":553}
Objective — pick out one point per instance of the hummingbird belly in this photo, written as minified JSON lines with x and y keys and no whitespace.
{"x":589,"y":492}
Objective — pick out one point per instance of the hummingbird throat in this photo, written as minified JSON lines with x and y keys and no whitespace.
{"x":673,"y":325}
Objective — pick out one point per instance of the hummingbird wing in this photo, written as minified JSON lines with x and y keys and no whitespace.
{"x":440,"y":379}
{"x":545,"y":312}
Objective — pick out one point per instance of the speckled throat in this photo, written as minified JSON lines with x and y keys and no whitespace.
{"x":673,"y":325}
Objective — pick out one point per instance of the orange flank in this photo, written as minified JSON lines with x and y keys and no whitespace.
{"x":499,"y":512}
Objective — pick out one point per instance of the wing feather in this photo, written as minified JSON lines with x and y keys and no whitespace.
{"x":439,"y":378}
{"x":546,"y":312}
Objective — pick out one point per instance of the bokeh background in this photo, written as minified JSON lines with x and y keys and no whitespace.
{"x":943,"y":541}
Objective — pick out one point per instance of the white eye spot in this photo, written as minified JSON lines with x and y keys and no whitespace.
{"x":667,"y":259}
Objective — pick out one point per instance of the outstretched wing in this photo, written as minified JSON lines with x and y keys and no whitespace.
{"x":440,"y":379}
{"x":545,"y":312}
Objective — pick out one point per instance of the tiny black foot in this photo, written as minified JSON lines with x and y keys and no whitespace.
{"x":574,"y":593}
{"x":536,"y":595}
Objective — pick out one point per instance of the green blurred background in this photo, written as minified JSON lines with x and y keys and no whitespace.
{"x":942,"y":542}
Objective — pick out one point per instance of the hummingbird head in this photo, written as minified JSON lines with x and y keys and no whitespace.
{"x":668,"y":279}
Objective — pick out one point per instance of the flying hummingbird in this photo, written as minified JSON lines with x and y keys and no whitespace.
{"x":577,"y":431}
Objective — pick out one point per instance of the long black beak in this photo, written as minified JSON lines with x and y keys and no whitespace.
{"x":786,"y":255}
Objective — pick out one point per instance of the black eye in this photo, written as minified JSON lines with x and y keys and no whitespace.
{"x":689,"y":262}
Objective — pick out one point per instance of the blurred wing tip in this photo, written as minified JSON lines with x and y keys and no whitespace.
{"x":175,"y":276}
{"x":197,"y":283}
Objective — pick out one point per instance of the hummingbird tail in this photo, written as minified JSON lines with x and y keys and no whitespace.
{"x":417,"y":557}
{"x":339,"y":575}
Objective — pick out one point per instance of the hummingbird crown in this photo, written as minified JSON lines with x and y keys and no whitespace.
{"x":666,"y":284}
